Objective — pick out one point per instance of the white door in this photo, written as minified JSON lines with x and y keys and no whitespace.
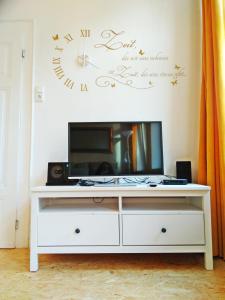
{"x":12,"y":37}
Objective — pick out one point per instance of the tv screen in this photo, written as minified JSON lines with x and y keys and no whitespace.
{"x":115,"y":149}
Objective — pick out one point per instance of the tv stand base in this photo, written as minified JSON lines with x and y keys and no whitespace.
{"x":162,"y":219}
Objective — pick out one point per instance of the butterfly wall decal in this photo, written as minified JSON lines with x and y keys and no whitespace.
{"x":55,"y":37}
{"x":141,"y":52}
{"x":177,"y":67}
{"x":174,"y":82}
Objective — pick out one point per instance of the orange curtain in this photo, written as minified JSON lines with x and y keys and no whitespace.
{"x":212,"y":116}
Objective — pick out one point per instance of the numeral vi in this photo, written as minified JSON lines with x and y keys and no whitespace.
{"x":83,"y":87}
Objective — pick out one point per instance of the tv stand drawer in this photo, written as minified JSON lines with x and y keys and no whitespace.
{"x":141,"y":230}
{"x":77,"y":230}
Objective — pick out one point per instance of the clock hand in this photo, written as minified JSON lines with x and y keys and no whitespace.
{"x":84,"y":59}
{"x":91,"y":63}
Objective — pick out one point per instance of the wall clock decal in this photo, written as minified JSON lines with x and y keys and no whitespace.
{"x":59,"y":56}
{"x":131,"y":66}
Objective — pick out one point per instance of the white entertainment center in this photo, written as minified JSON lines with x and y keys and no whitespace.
{"x":121,"y":219}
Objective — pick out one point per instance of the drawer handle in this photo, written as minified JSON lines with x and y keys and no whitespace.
{"x":77,"y":230}
{"x":163,"y":230}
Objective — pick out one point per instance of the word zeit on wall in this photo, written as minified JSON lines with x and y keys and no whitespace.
{"x":134,"y":68}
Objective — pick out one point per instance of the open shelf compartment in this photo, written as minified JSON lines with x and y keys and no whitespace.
{"x":184,"y":205}
{"x":79,"y":205}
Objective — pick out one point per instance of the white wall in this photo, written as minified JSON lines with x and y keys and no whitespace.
{"x":168,"y":26}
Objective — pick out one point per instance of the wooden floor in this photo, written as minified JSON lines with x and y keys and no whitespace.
{"x":103,"y":277}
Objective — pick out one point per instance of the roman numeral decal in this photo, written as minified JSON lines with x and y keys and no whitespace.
{"x":56,"y":61}
{"x":69,"y":83}
{"x":83,"y":87}
{"x":85,"y":33}
{"x":59,"y":49}
{"x":68,"y":38}
{"x":59,"y":72}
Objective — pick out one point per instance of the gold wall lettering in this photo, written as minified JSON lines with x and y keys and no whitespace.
{"x":143,"y":56}
{"x":110,"y":81}
{"x":113,"y":41}
{"x":128,"y":76}
{"x":136,"y":66}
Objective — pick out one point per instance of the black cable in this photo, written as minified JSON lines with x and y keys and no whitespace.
{"x":133,"y":180}
{"x":86,"y":182}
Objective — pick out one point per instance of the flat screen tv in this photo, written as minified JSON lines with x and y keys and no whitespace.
{"x":115,"y":149}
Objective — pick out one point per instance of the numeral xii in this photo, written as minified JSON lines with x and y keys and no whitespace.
{"x":85,"y":33}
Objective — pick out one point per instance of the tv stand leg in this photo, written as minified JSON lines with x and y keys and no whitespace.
{"x":208,"y":255}
{"x":33,"y":234}
{"x":33,"y":261}
{"x":208,"y":261}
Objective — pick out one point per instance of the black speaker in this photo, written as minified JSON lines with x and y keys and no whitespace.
{"x":184,"y":170}
{"x":58,"y":173}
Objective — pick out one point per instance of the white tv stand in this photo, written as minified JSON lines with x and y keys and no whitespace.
{"x":137,"y":219}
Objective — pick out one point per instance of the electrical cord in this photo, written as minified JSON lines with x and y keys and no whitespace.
{"x":90,"y":182}
{"x":133,"y":180}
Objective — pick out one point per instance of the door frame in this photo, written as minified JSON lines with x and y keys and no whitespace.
{"x":25,"y":136}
